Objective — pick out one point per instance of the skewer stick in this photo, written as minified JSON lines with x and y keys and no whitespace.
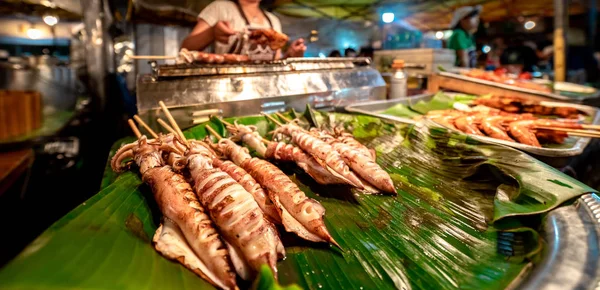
{"x":143,"y":124}
{"x":173,"y":123}
{"x":134,"y":128}
{"x":166,"y":126}
{"x":583,"y":135}
{"x":280,"y":115}
{"x":591,"y":127}
{"x":213,"y":132}
{"x":224,"y":122}
{"x":151,"y":57}
{"x":576,"y":131}
{"x":272,"y":119}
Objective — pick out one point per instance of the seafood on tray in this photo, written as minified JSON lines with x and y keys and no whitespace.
{"x":501,"y":76}
{"x":521,"y":105}
{"x":523,"y":128}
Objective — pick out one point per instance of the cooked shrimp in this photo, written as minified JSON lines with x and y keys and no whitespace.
{"x":468,"y":124}
{"x":521,"y":130}
{"x":446,"y":121}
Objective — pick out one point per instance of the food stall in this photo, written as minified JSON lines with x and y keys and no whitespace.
{"x":246,"y":173}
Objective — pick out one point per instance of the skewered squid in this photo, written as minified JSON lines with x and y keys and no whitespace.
{"x":251,"y":239}
{"x":282,"y":152}
{"x":360,"y":162}
{"x":187,"y":233}
{"x":299,"y":214}
{"x":348,"y":139}
{"x":321,"y":151}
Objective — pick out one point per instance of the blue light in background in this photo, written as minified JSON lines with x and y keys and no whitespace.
{"x":486,"y":49}
{"x":387,"y":17}
{"x":321,"y":55}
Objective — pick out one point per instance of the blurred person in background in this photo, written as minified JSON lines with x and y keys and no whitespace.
{"x":464,"y":25}
{"x":350,"y":52}
{"x":222,"y":19}
{"x":335,"y":53}
{"x":366,"y":51}
{"x":519,"y":56}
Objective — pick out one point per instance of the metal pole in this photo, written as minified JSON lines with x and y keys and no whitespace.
{"x":560,"y":25}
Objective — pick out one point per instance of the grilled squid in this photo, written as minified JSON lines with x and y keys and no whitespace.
{"x":322,"y":151}
{"x":249,"y":183}
{"x":299,"y":214}
{"x":252,"y":240}
{"x":283,"y":152}
{"x":348,"y":139}
{"x":360,"y":161}
{"x":187,"y":233}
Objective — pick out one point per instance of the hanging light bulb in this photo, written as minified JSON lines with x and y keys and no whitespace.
{"x":33,"y":33}
{"x":529,"y":25}
{"x":51,"y":20}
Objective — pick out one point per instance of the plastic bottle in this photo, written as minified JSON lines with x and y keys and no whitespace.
{"x":398,"y":85}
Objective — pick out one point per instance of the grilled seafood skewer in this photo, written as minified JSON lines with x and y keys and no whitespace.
{"x":360,"y":161}
{"x":506,"y":126}
{"x":238,"y":174}
{"x":343,"y":137}
{"x":187,"y":233}
{"x":252,"y":240}
{"x":299,"y":214}
{"x":281,"y":151}
{"x":320,"y":150}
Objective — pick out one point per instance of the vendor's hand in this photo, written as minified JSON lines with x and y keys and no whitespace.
{"x":223,"y":31}
{"x":296,"y":49}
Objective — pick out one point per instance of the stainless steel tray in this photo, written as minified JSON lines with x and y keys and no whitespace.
{"x":573,"y":98}
{"x":376,"y":107}
{"x":570,"y":259}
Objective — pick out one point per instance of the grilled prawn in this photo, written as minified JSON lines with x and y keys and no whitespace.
{"x":187,"y":233}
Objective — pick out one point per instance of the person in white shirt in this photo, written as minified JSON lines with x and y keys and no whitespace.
{"x":222,"y":19}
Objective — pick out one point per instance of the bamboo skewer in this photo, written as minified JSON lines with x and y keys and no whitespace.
{"x":583,"y":135}
{"x":151,"y":57}
{"x":272,"y":119}
{"x":572,"y":131}
{"x":280,"y":115}
{"x":143,"y":124}
{"x":167,"y":127}
{"x":173,"y":123}
{"x":213,"y":132}
{"x":591,"y":127}
{"x":134,"y":128}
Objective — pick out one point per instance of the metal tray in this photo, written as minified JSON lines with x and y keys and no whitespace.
{"x":570,"y":98}
{"x":376,"y":107}
{"x":570,"y":259}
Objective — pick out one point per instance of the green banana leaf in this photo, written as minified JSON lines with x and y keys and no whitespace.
{"x":441,"y":101}
{"x":456,"y":200}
